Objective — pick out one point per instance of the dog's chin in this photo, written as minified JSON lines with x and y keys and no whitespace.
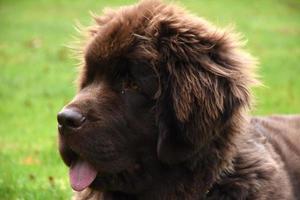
{"x":83,"y":174}
{"x":123,"y":181}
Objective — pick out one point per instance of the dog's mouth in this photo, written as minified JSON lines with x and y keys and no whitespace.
{"x":84,"y":173}
{"x":81,"y":174}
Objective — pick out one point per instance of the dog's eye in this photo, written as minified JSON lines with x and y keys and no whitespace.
{"x":130,"y":85}
{"x":134,"y":86}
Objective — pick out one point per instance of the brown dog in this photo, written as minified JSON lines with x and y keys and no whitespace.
{"x":161,"y":114}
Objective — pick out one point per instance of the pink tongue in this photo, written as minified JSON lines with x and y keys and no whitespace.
{"x":82,"y":174}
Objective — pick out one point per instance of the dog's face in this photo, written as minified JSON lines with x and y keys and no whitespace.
{"x":110,"y":124}
{"x":156,"y":86}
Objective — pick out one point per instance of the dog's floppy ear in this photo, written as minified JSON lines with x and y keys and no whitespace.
{"x":204,"y":81}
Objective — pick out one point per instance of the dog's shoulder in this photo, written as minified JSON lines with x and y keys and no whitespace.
{"x":277,"y":124}
{"x":283,"y":133}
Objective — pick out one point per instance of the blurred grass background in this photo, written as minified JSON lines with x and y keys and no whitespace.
{"x":37,"y":73}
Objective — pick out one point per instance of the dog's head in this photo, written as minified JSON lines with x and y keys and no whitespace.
{"x":156,"y":86}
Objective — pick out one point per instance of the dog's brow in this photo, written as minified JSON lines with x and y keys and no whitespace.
{"x":99,"y":65}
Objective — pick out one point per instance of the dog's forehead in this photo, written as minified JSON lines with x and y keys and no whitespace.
{"x":113,"y":37}
{"x":121,"y":34}
{"x":108,"y":45}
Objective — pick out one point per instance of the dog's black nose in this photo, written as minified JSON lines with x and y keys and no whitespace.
{"x":70,"y":118}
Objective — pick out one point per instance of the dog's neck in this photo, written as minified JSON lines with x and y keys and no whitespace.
{"x":195,"y":178}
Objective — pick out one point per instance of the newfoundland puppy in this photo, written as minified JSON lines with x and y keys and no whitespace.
{"x":161,"y":113}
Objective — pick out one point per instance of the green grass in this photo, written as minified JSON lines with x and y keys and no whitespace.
{"x":37,"y":73}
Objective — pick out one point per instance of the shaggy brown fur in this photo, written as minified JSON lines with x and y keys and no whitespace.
{"x":161,"y":113}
